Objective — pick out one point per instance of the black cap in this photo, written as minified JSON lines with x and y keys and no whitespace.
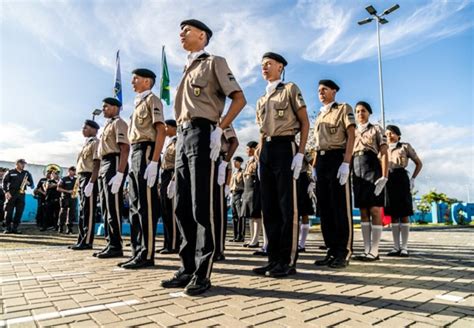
{"x":72,"y":168}
{"x":198,"y":24}
{"x":330,"y":84}
{"x":366,"y":105}
{"x":395,"y":129}
{"x":238,"y":159}
{"x":171,"y":123}
{"x":144,"y":72}
{"x":21,"y":160}
{"x":252,"y":144}
{"x":112,"y":101}
{"x":92,"y":124}
{"x":275,"y":56}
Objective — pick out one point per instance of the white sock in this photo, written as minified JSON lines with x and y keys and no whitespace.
{"x":251,"y":228}
{"x":304,"y":230}
{"x":376,"y":235}
{"x":405,"y":231}
{"x":257,"y":226}
{"x":265,"y":239}
{"x":365,"y":226}
{"x":396,"y":235}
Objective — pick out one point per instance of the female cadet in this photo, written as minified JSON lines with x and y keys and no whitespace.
{"x":398,"y":196}
{"x":306,"y":195}
{"x":369,"y":173}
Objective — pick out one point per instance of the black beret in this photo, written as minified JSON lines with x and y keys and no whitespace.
{"x":144,"y":72}
{"x":330,"y":84}
{"x":198,"y":24}
{"x":395,"y":129}
{"x":72,"y":168}
{"x":112,"y":101}
{"x":366,"y":105}
{"x":238,"y":159}
{"x":21,"y":160}
{"x":92,"y":124}
{"x":252,"y":144}
{"x":275,"y":56}
{"x":171,"y":123}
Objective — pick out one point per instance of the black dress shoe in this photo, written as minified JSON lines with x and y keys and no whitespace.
{"x":219,"y":257}
{"x":280,"y":270}
{"x":179,"y":280}
{"x":232,"y":240}
{"x":80,"y":247}
{"x":360,"y":257}
{"x":394,"y":252}
{"x":404,"y":253}
{"x":260,"y":253}
{"x":166,"y":251}
{"x":99,"y":252}
{"x":323,"y":248}
{"x":339,"y":263}
{"x":261,"y":270}
{"x":326,"y":261}
{"x":69,"y":231}
{"x":110,"y":254}
{"x":138,"y":263}
{"x":197,"y":286}
{"x":257,"y":245}
{"x":126,"y":262}
{"x":43,"y":229}
{"x":371,"y":258}
{"x":301,"y":249}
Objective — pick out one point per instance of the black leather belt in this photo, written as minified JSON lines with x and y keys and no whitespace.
{"x":195,"y":122}
{"x":279,"y":138}
{"x":330,"y":152}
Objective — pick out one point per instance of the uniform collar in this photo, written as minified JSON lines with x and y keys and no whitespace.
{"x":140,"y":96}
{"x":89,"y":139}
{"x":271,"y":86}
{"x":193,"y":56}
{"x":328,"y":107}
{"x":363,"y":127}
{"x":110,"y":120}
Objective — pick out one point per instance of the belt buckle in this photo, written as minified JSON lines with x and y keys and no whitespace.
{"x":268,"y":139}
{"x":186,"y":124}
{"x":360,"y":153}
{"x":322,"y":152}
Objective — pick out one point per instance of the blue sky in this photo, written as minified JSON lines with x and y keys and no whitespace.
{"x":57,"y":63}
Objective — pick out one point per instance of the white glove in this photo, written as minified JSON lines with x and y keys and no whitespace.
{"x":88,"y":189}
{"x":116,"y":182}
{"x":171,"y":190}
{"x":314,"y":175}
{"x":215,"y":144}
{"x":296,"y":165}
{"x":221,"y":173}
{"x":150,"y":174}
{"x":226,"y":190}
{"x":343,"y":173}
{"x":311,"y":188}
{"x":412,"y":183}
{"x":379,"y":185}
{"x":258,"y":171}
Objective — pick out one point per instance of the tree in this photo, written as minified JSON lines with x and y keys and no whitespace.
{"x":434,"y":197}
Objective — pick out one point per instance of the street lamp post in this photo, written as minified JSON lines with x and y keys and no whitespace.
{"x":380,"y":19}
{"x":95,"y":113}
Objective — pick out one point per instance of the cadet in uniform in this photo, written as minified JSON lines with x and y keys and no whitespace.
{"x":229,"y":144}
{"x":171,"y":233}
{"x":68,"y":187}
{"x":369,"y":174}
{"x":334,"y":139}
{"x":15,"y":182}
{"x":236,"y":190}
{"x":305,"y":202}
{"x":88,"y":164}
{"x":199,"y":103}
{"x":40,"y":196}
{"x":399,"y":204}
{"x":281,"y":114}
{"x":113,"y":150}
{"x":147,"y":136}
{"x":51,"y":201}
{"x":3,"y":171}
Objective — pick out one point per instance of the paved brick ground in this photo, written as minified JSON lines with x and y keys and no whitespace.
{"x":44,"y":285}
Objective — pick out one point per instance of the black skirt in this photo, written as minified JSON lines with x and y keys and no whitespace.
{"x":251,"y":202}
{"x":305,"y":204}
{"x":398,"y":200}
{"x":366,"y":169}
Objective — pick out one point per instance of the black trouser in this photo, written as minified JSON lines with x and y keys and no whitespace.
{"x":334,"y":202}
{"x":237,"y":220}
{"x":2,"y":204}
{"x":87,"y":211}
{"x":40,"y":210}
{"x":15,"y":203}
{"x":279,"y":201}
{"x":67,"y":214}
{"x":51,"y":212}
{"x":172,"y":236}
{"x":220,"y":213}
{"x":111,"y":204}
{"x":194,"y":174}
{"x":144,"y":203}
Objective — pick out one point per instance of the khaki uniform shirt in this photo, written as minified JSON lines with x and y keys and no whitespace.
{"x":87,"y":155}
{"x":167,"y":162}
{"x":227,"y":134}
{"x":276,"y":112}
{"x":398,"y":156}
{"x":142,"y":125}
{"x":250,"y":167}
{"x":115,"y":132}
{"x":237,"y":181}
{"x":330,"y":127}
{"x":203,"y":89}
{"x":371,"y":139}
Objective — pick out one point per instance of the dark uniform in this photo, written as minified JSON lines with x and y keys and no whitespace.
{"x":278,"y":122}
{"x":237,"y":189}
{"x":15,"y":182}
{"x":88,"y":205}
{"x":2,"y":196}
{"x":305,"y":203}
{"x":41,"y":200}
{"x":51,"y":203}
{"x":334,"y":199}
{"x":144,"y":201}
{"x":251,"y":208}
{"x":68,"y":203}
{"x":114,"y":133}
{"x":172,"y":237}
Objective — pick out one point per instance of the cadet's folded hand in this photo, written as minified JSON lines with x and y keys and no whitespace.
{"x":171,"y":190}
{"x":296,"y":165}
{"x":379,"y":185}
{"x":343,"y":173}
{"x":221,"y":173}
{"x":116,"y":182}
{"x":215,"y":143}
{"x":88,"y":189}
{"x":150,"y":174}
